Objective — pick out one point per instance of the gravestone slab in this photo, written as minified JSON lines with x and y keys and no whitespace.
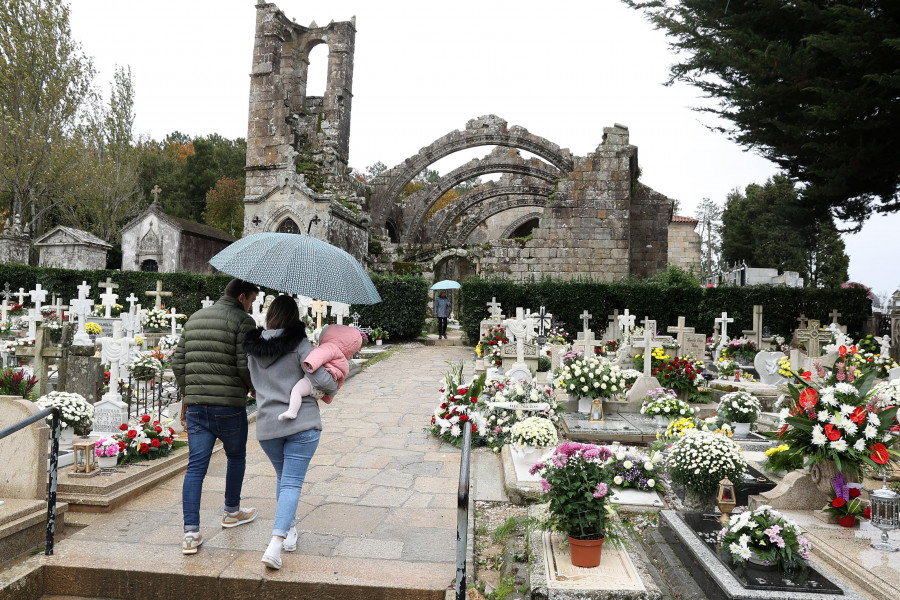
{"x":636,"y":500}
{"x":109,"y":413}
{"x":23,"y":455}
{"x":84,"y":375}
{"x":694,"y":345}
{"x":766,"y":365}
{"x":106,"y":325}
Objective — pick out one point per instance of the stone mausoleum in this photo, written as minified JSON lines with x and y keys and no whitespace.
{"x":550,"y":213}
{"x":70,"y":248}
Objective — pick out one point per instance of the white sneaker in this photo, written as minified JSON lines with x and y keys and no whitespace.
{"x":272,"y":556}
{"x":290,"y":542}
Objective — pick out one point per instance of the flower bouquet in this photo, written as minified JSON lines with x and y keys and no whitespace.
{"x":699,"y":460}
{"x":765,"y":537}
{"x":657,"y":357}
{"x":491,"y":344}
{"x":680,"y":374}
{"x":739,"y":407}
{"x":558,"y":336}
{"x":92,"y":328}
{"x":15,"y":382}
{"x":155,"y":319}
{"x":589,"y":377}
{"x":534,"y":431}
{"x":636,"y":470}
{"x":740,"y":348}
{"x":74,"y":410}
{"x":145,"y":439}
{"x":845,"y":423}
{"x":499,"y":421}
{"x":457,"y":408}
{"x":576,"y":482}
{"x":115,"y":311}
{"x":845,"y":503}
{"x":107,"y":451}
{"x":146,"y":366}
{"x":612,"y":346}
{"x":778,"y":459}
{"x":663,"y":402}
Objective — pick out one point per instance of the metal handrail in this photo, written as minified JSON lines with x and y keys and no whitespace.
{"x":54,"y":413}
{"x":462,"y":514}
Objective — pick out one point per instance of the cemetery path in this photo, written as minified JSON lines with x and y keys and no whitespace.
{"x":377,"y":516}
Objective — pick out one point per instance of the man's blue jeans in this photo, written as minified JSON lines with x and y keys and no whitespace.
{"x":290,"y":456}
{"x":205,"y":423}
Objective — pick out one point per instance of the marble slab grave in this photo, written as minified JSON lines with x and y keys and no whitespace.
{"x":616,"y":427}
{"x":692,"y":536}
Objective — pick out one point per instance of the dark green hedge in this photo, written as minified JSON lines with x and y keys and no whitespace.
{"x":404,"y":299}
{"x":699,"y":306}
{"x":188,"y":289}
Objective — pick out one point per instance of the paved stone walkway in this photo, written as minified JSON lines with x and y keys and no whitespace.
{"x":377,"y":515}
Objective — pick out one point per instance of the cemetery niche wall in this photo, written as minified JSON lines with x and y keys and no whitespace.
{"x":555,"y":213}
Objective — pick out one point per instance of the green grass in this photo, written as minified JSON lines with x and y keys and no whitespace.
{"x":507,"y":527}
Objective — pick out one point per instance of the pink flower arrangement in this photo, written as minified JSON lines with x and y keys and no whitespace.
{"x":106,"y":447}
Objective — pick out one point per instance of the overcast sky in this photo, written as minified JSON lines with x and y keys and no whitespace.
{"x":563,"y":70}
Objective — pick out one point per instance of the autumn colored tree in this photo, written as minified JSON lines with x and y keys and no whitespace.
{"x":225,"y":206}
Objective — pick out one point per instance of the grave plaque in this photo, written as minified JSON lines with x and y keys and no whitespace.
{"x":106,"y":325}
{"x":694,"y":345}
{"x":108,"y":415}
{"x":766,"y":365}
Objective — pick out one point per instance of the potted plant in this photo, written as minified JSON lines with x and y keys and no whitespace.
{"x":766,"y":539}
{"x":155,"y":320}
{"x":380,"y":334}
{"x":14,"y":382}
{"x":741,"y":350}
{"x":75,"y":412}
{"x":93,"y":330}
{"x":682,"y":375}
{"x":588,"y":378}
{"x":741,"y":409}
{"x":146,"y":366}
{"x":611,"y":347}
{"x":107,"y":451}
{"x":576,"y":482}
{"x":491,"y":344}
{"x":531,"y":436}
{"x":664,"y":405}
{"x":845,"y":504}
{"x":699,"y":460}
{"x":637,"y":470}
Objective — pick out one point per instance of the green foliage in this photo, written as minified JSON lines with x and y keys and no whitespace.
{"x":375,"y":248}
{"x":404,"y":299}
{"x":664,"y":303}
{"x":808,"y":84}
{"x":406,"y":268}
{"x":675,"y":276}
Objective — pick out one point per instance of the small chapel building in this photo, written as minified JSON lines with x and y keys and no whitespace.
{"x":157,"y":242}
{"x":69,"y":248}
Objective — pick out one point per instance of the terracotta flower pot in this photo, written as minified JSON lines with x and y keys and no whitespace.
{"x":847,"y":521}
{"x":585,"y":553}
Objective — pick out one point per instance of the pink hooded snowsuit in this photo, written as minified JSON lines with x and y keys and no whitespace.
{"x":336,"y":346}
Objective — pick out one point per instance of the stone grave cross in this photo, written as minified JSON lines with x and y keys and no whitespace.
{"x":108,"y":298}
{"x":802,"y":321}
{"x":319,"y":311}
{"x":21,"y":296}
{"x":649,"y":343}
{"x":58,"y":307}
{"x":755,"y":335}
{"x":33,"y":318}
{"x":834,"y":314}
{"x":158,"y":293}
{"x":131,"y":300}
{"x":339,"y":310}
{"x":812,"y":338}
{"x":156,"y":191}
{"x":626,"y":322}
{"x":543,"y":319}
{"x":206,"y":303}
{"x":173,"y":315}
{"x":521,"y":328}
{"x":355,"y":317}
{"x":81,"y":307}
{"x":614,"y":332}
{"x":724,"y":320}
{"x":38,"y":296}
{"x":6,"y":306}
{"x":304,"y":303}
{"x":680,"y":330}
{"x":115,"y":353}
{"x":495,"y":309}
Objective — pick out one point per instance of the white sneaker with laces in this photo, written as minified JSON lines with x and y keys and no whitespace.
{"x":272,"y":556}
{"x":290,"y":542}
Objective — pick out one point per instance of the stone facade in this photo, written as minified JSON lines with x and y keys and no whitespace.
{"x":68,"y":248}
{"x":684,"y":243}
{"x":155,"y":241}
{"x":14,"y":243}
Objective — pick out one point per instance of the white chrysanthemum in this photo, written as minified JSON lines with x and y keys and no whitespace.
{"x":873,"y":419}
{"x":860,"y":445}
{"x":651,"y":482}
{"x":455,"y":431}
{"x":784,"y":413}
{"x":871,"y":431}
{"x":823,"y":416}
{"x":846,"y":409}
{"x":829,"y":399}
{"x":839,"y":445}
{"x":850,"y":427}
{"x":818,"y":436}
{"x":845,"y":388}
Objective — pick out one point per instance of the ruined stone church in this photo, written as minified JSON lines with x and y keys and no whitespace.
{"x":554,"y":214}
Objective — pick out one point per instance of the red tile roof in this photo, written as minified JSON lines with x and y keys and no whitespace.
{"x":680,"y":219}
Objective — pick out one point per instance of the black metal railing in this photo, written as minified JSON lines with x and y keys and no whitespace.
{"x":462,"y":514}
{"x":53,"y":413}
{"x":146,"y":396}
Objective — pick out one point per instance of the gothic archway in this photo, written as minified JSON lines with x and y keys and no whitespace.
{"x":288,"y":225}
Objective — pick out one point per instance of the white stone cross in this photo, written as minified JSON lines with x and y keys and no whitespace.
{"x":355,"y":317}
{"x":724,"y":320}
{"x":520,"y":327}
{"x":586,"y":318}
{"x":115,"y":352}
{"x":21,"y":296}
{"x":834,"y":314}
{"x":131,"y":300}
{"x":626,"y":322}
{"x":173,"y":315}
{"x":207,"y":302}
{"x":33,"y":318}
{"x":4,"y":309}
{"x":6,"y":293}
{"x":615,"y":331}
{"x":304,"y":303}
{"x":108,"y":298}
{"x":339,"y":310}
{"x":319,"y":311}
{"x":812,"y":338}
{"x":495,"y":309}
{"x":158,"y":293}
{"x":649,"y":342}
{"x":81,"y":307}
{"x":130,"y":323}
{"x":680,"y":330}
{"x":257,"y":307}
{"x":38,"y":296}
{"x":755,"y":335}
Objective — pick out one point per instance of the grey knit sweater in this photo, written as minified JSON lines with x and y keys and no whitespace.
{"x":275,"y":357}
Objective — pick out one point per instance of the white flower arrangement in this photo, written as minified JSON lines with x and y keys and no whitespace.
{"x":145,"y":366}
{"x":663,"y":402}
{"x":155,"y":318}
{"x":169,"y":342}
{"x":100,"y":310}
{"x":591,"y":377}
{"x":534,"y":431}
{"x":74,"y":410}
{"x":498,"y":422}
{"x":740,"y":407}
{"x":700,"y":459}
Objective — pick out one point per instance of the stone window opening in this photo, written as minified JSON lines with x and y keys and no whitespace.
{"x":150,"y":266}
{"x":317,"y":71}
{"x":525,"y":229}
{"x":288,"y":226}
{"x":392,"y":232}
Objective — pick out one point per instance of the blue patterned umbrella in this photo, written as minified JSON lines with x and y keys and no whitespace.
{"x":298,"y":264}
{"x":446,"y":284}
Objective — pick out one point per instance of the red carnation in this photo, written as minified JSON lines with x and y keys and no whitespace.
{"x":158,"y":429}
{"x":838,"y":502}
{"x":464,"y":417}
{"x":123,"y":427}
{"x":145,"y":419}
{"x":145,"y":448}
{"x":474,"y":429}
{"x":131,"y":434}
{"x":432,"y":420}
{"x":168,"y":440}
{"x":171,"y":431}
{"x":122,"y":445}
{"x":474,"y":400}
{"x":155,"y":442}
{"x":854,"y":492}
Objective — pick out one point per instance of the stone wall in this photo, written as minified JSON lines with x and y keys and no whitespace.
{"x":14,"y":248}
{"x":650,"y":215}
{"x":71,"y":256}
{"x":151,"y":239}
{"x":684,"y":245}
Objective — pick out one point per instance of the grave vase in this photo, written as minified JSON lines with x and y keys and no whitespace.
{"x":584,"y":404}
{"x":66,"y":435}
{"x":847,"y":521}
{"x":107,"y":462}
{"x":661,"y":421}
{"x":759,"y":563}
{"x":822,"y":472}
{"x":377,"y":342}
{"x":585,"y":553}
{"x":741,"y":430}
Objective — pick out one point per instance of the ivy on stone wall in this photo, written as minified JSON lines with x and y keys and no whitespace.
{"x":700,"y":306}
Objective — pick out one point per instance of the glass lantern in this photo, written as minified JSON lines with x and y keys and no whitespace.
{"x":726,"y":499}
{"x":84,"y":456}
{"x":885,"y":515}
{"x":597,"y":410}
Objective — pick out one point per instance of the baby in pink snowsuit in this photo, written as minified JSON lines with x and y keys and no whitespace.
{"x":337,"y":344}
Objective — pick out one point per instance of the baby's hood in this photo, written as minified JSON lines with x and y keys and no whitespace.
{"x":347,"y":338}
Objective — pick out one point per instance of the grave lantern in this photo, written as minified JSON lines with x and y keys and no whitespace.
{"x":885,"y":514}
{"x":597,"y":410}
{"x":84,"y":456}
{"x":726,"y":499}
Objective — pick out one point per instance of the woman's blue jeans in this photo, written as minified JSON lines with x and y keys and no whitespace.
{"x":205,"y":423}
{"x":290,"y":456}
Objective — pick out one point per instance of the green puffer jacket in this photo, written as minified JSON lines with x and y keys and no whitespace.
{"x":209,"y":363}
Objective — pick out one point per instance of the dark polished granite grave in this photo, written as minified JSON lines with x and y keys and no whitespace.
{"x":807,"y":579}
{"x":754,"y":483}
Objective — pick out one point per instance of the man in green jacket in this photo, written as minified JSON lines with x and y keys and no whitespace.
{"x":211,"y":370}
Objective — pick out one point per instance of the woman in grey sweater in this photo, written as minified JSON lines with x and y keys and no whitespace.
{"x":275,"y":357}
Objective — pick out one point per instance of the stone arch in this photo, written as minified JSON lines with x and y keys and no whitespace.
{"x":275,"y":220}
{"x":288,"y":225}
{"x":468,"y":225}
{"x":489,"y":130}
{"x":511,"y":229}
{"x":442,"y":221}
{"x":423,"y":200}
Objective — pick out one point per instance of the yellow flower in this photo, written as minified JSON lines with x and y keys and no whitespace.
{"x":93,"y":328}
